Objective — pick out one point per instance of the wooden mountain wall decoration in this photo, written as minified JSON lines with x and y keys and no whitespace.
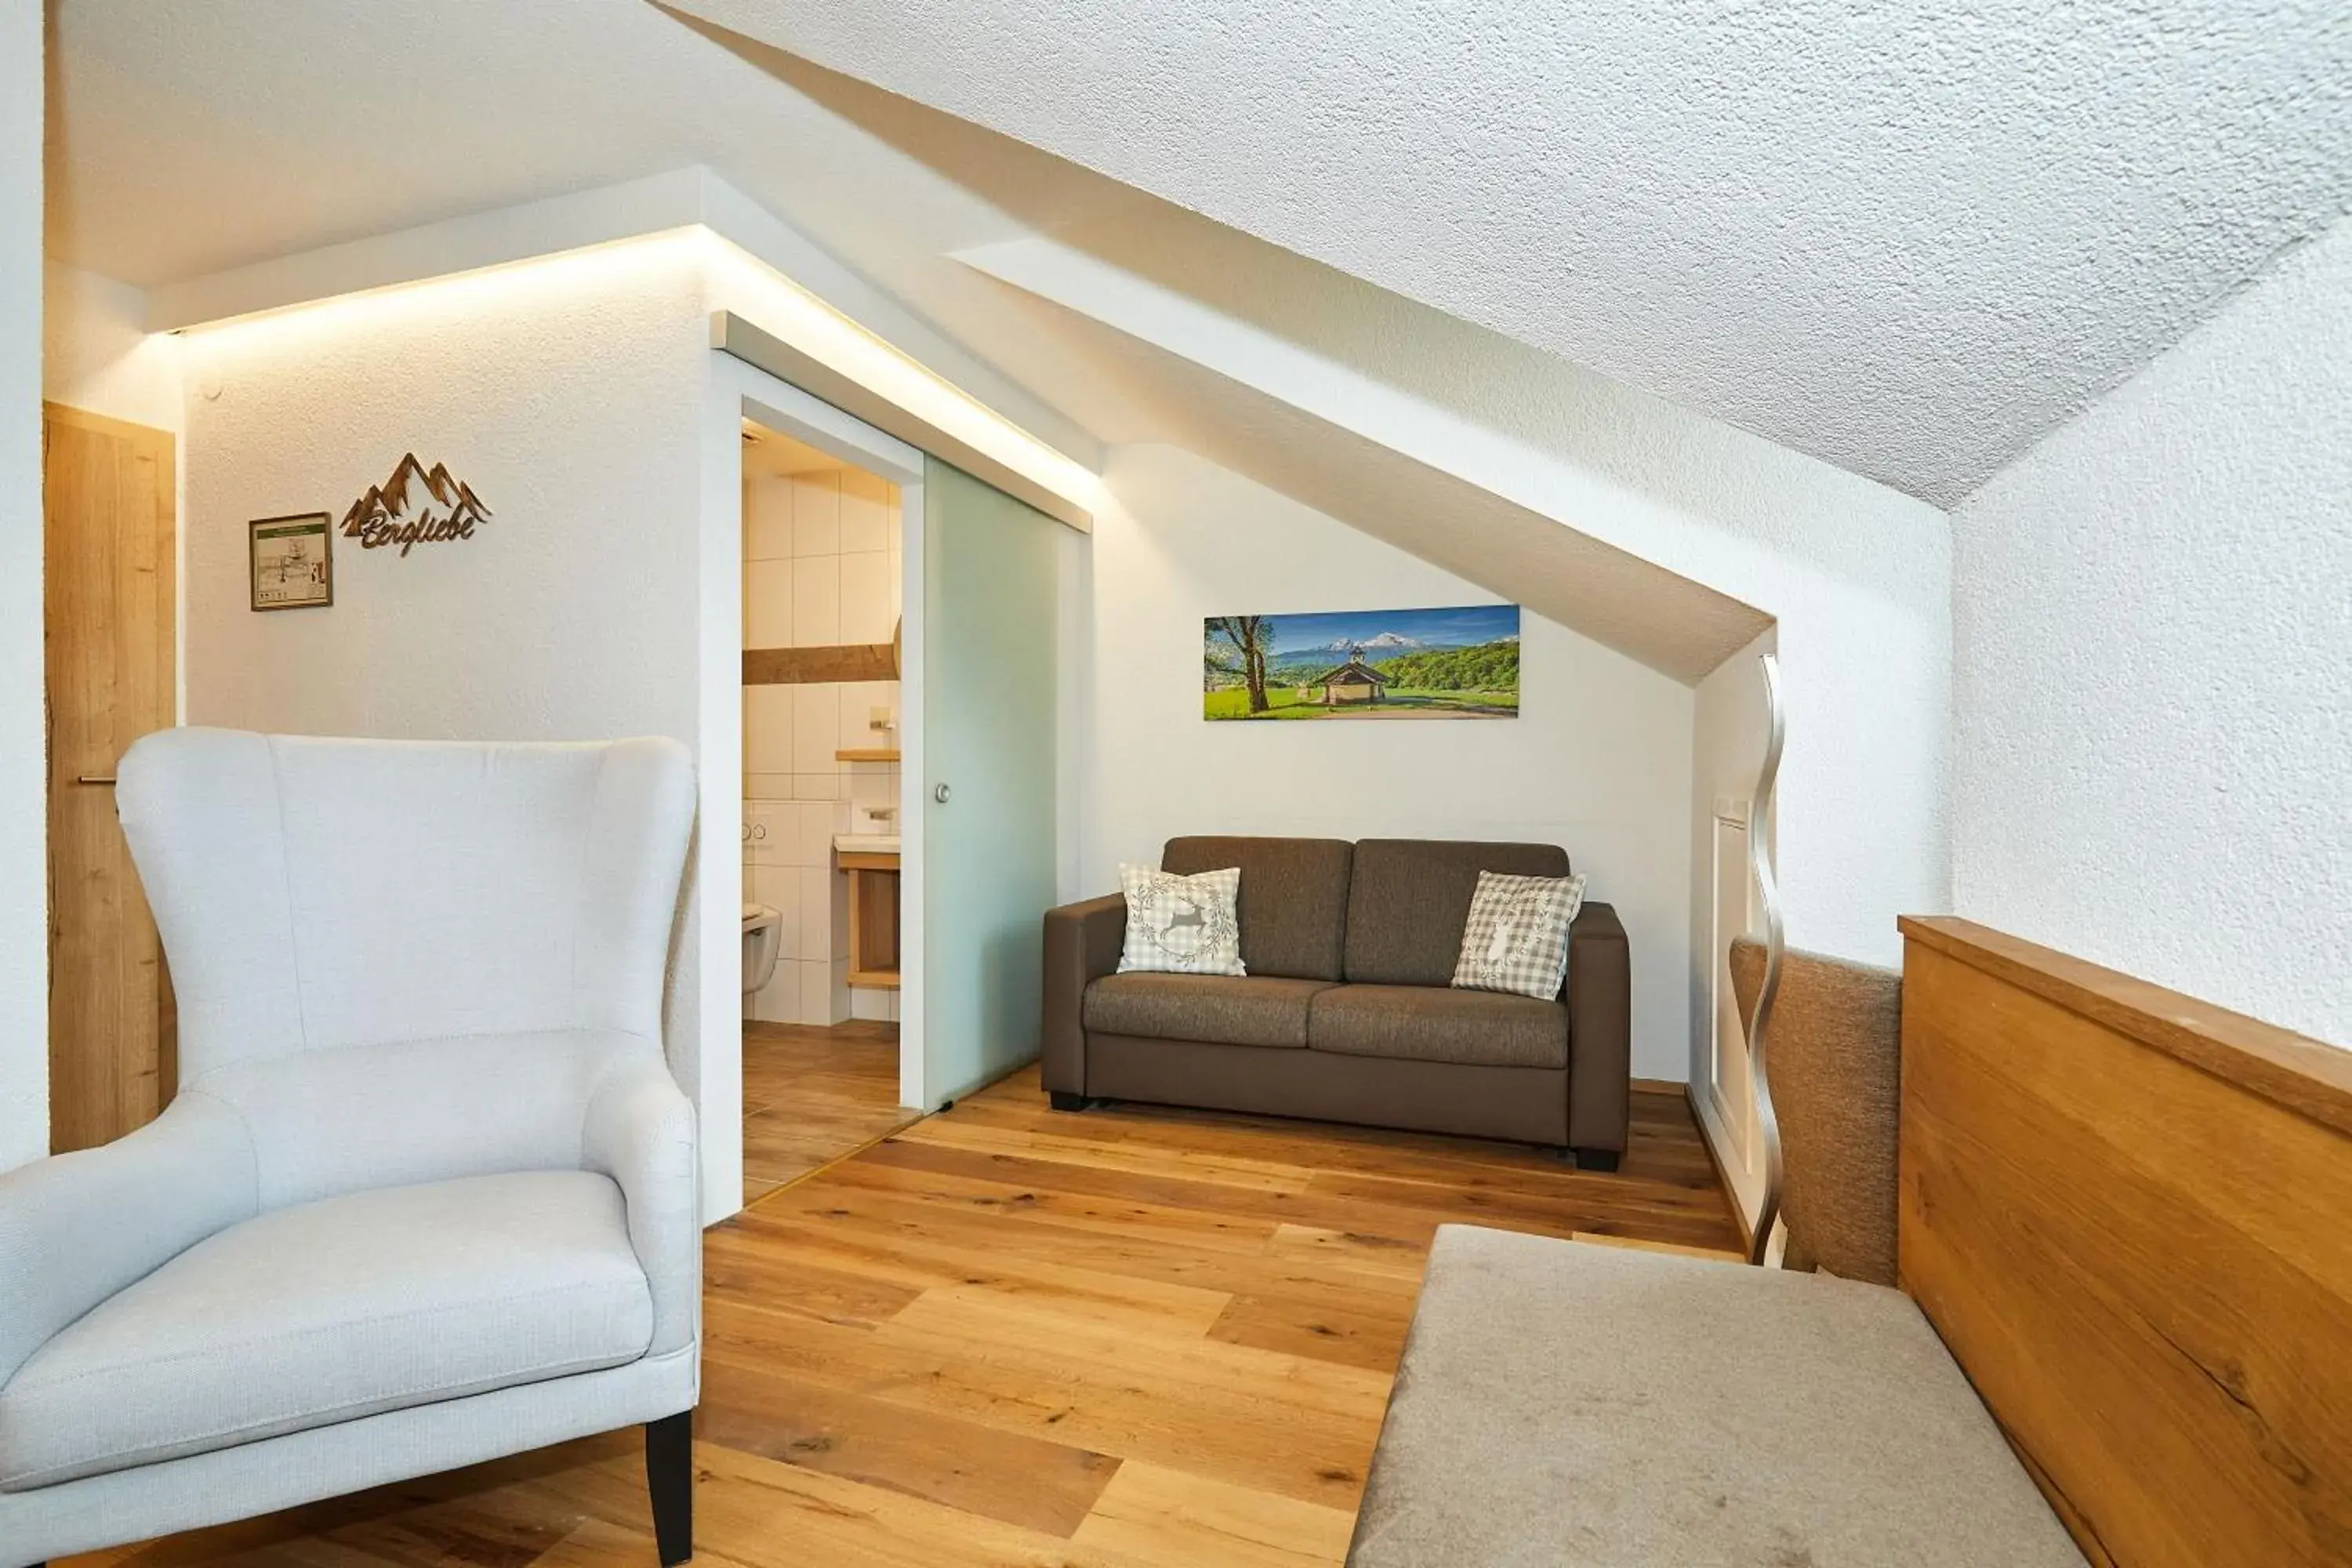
{"x":415,"y":506}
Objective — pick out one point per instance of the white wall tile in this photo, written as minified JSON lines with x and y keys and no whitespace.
{"x":859,"y":698}
{"x":816,"y":514}
{"x":770,"y":728}
{"x":770,"y":830}
{"x":817,"y":786}
{"x":816,"y":601}
{"x":865,"y":612}
{"x":869,"y":511}
{"x":817,"y":729}
{"x":812,"y":825}
{"x":780,"y":1002}
{"x":816,"y":913}
{"x":778,"y":888}
{"x":767,"y":517}
{"x":768,"y":604}
{"x":816,"y":995}
{"x":770,"y":787}
{"x":872,"y":1004}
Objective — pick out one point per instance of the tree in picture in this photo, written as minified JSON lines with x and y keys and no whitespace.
{"x":1248,"y":638}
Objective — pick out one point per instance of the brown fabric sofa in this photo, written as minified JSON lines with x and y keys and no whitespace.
{"x":1347,"y":1013}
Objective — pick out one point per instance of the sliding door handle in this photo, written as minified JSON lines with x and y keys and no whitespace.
{"x":107,"y":779}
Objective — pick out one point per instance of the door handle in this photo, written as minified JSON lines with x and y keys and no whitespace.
{"x":941,"y":794}
{"x":107,"y":779}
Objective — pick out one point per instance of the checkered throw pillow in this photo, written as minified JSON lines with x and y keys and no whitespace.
{"x":1182,"y":925}
{"x":1516,"y":937}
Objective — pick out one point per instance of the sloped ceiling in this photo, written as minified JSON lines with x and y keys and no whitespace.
{"x":1907,"y":237}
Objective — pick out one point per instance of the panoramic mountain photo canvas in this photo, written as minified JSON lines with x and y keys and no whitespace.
{"x":1460,"y":663}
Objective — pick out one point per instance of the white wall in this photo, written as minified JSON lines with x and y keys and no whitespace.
{"x":2154,"y":676}
{"x":1599,"y":760}
{"x":1505,"y":467}
{"x":97,"y":352}
{"x":24,"y":810}
{"x":568,"y":393}
{"x":579,"y":395}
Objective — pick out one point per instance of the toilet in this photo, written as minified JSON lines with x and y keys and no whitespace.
{"x":761,"y":929}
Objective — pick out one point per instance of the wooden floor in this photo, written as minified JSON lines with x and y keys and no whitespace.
{"x":810,"y":1095}
{"x":1126,"y":1339}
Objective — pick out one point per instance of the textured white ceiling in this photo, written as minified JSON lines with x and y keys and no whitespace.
{"x":1906,"y":236}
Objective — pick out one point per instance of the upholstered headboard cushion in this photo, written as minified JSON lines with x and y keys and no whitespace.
{"x":1833,"y":1057}
{"x":1411,"y":898}
{"x":1294,"y":898}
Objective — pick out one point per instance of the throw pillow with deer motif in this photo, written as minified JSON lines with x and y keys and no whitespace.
{"x":1517,"y":936}
{"x":1182,"y":925}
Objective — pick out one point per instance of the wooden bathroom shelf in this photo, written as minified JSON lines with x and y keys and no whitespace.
{"x":872,"y":919}
{"x":867,"y":754}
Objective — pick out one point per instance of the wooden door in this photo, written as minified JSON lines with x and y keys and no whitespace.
{"x":108,"y":515}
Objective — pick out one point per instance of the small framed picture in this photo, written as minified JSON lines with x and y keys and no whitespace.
{"x":293,"y":562}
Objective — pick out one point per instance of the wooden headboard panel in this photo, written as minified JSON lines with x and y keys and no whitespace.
{"x":2130,"y":1215}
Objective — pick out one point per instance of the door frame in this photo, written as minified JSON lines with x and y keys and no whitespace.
{"x":739,"y":391}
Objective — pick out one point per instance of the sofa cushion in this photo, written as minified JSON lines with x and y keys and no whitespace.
{"x":1566,"y":1403}
{"x":332,"y":1311}
{"x":1409,"y":899}
{"x":1437,"y":1024}
{"x":1294,"y":902}
{"x":1222,"y":1009}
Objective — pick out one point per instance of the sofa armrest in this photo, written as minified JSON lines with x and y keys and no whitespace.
{"x":1600,"y":1030}
{"x":1082,"y":945}
{"x":77,"y":1228}
{"x":639,"y":1131}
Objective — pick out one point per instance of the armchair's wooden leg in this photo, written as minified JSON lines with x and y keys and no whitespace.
{"x":669,"y":1475}
{"x":1597,"y":1158}
{"x":1063,"y":1099}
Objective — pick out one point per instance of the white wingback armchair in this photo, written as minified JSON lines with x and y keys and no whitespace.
{"x":427,"y":1193}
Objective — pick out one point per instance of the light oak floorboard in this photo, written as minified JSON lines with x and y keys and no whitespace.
{"x":813,"y":1094}
{"x":1132,"y":1338}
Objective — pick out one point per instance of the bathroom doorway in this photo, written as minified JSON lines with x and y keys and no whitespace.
{"x":823,"y":587}
{"x":971,"y":690}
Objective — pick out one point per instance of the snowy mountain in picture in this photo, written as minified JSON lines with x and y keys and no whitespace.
{"x":1377,"y":644}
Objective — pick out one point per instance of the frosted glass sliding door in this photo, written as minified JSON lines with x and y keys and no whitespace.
{"x":990,"y":590}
